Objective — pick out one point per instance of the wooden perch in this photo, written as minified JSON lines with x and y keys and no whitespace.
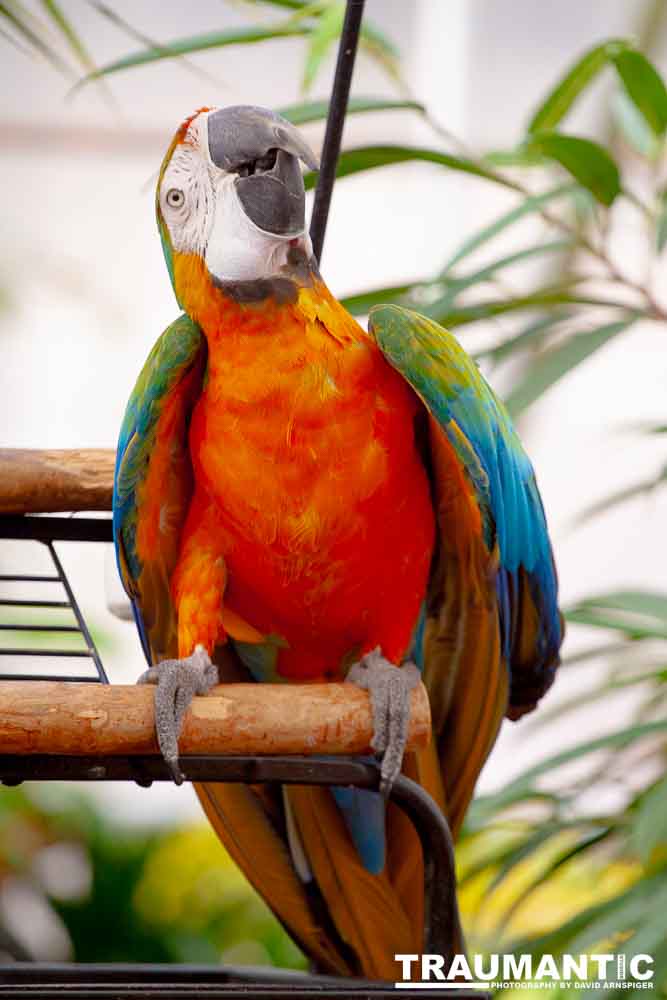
{"x":43,"y":717}
{"x":36,"y":482}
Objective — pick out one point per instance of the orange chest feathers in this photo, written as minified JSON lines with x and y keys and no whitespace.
{"x":303,"y":434}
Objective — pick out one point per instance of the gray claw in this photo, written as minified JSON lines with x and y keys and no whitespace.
{"x":389,"y":687}
{"x":178,"y":681}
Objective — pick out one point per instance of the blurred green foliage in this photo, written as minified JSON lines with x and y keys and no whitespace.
{"x":134,"y":895}
{"x":543,"y":866}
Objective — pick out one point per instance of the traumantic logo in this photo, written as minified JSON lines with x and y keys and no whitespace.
{"x":494,"y":972}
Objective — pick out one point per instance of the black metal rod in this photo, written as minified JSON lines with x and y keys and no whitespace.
{"x":56,"y":529}
{"x":92,"y":648}
{"x":33,"y":604}
{"x":39,"y":628}
{"x":54,"y":678}
{"x":46,"y":981}
{"x":45,"y":652}
{"x":333,"y":135}
{"x":4,"y":578}
{"x":443,"y":929}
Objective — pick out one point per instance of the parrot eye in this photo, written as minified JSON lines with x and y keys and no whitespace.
{"x":175,"y":198}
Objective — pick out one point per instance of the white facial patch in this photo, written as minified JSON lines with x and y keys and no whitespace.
{"x":186,"y":195}
{"x":204,"y":216}
{"x":237,"y":249}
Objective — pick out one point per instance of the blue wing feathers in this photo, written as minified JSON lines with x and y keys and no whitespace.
{"x":459,"y":398}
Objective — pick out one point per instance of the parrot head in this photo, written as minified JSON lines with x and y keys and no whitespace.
{"x":230,"y":198}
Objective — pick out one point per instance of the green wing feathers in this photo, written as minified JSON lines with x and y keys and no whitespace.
{"x":493,"y":631}
{"x":153,"y":480}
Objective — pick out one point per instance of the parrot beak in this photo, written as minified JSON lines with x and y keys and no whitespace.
{"x":264,"y":149}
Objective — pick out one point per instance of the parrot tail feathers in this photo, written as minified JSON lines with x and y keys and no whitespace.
{"x":239,"y":816}
{"x":364,"y":815}
{"x":366,"y":910}
{"x":476,"y":706}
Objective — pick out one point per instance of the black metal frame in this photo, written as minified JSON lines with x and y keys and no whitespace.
{"x":184,"y":982}
{"x":442,"y":922}
{"x":47,"y":530}
{"x":347,"y":51}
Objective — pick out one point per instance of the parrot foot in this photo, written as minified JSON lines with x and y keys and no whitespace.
{"x":178,"y":681}
{"x":389,"y":687}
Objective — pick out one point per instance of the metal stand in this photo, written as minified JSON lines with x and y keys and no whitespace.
{"x":193,"y":982}
{"x":442,"y":923}
{"x":88,"y":651}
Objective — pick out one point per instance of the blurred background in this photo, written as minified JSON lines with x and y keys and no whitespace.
{"x":486,"y":210}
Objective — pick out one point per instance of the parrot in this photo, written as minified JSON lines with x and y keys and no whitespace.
{"x":298,"y":499}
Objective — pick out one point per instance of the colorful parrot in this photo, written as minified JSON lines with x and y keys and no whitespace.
{"x":299,"y":500}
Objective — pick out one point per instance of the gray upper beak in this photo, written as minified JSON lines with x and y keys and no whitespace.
{"x":271,"y":192}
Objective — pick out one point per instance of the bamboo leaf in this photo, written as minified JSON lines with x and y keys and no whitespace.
{"x":321,"y":39}
{"x":642,"y":602}
{"x":28,"y":28}
{"x":487,"y":272}
{"x":539,"y":836}
{"x":559,"y":101}
{"x":563,"y":937}
{"x":491,"y":858}
{"x":586,"y":843}
{"x":588,"y":162}
{"x":19,"y":46}
{"x":650,"y":825}
{"x":622,"y":496}
{"x":532,"y":335}
{"x":196,"y":43}
{"x":598,"y":619}
{"x":550,"y":367}
{"x":633,"y":126}
{"x":296,"y":5}
{"x":527,"y":207}
{"x":643,"y":906}
{"x":353,"y":161}
{"x":380,"y":48}
{"x":661,"y":225}
{"x":523,"y":786}
{"x":593,"y":652}
{"x":519,"y":157}
{"x":647,"y":938}
{"x":69,"y":34}
{"x":659,"y":973}
{"x":361,"y":303}
{"x":313,"y":111}
{"x":147,"y":41}
{"x":484,"y":808}
{"x":644,"y":86}
{"x":595,"y":694}
{"x":555,"y":296}
{"x":640,"y":614}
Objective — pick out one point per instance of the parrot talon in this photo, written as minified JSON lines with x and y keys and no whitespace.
{"x":178,"y":681}
{"x":176,"y":773}
{"x":389,"y":687}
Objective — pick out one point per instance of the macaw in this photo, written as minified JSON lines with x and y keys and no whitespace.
{"x":297,"y":499}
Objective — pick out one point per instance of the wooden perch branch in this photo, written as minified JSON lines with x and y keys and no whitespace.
{"x":43,"y":717}
{"x":36,"y":482}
